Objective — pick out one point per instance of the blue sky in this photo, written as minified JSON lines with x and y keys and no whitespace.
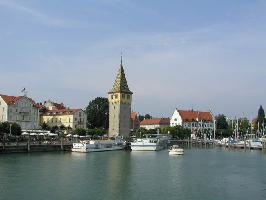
{"x":207,"y":54}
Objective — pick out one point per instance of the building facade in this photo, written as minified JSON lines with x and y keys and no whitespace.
{"x":19,"y":109}
{"x":69,"y":118}
{"x":194,"y":120}
{"x":56,"y":114}
{"x":134,"y":122}
{"x":154,"y":123}
{"x":120,"y":98}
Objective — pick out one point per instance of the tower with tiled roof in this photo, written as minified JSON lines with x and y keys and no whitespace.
{"x":120,"y":98}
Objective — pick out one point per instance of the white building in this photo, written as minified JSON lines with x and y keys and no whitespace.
{"x":19,"y":109}
{"x":194,"y":120}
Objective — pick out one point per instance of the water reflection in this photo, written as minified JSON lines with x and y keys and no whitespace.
{"x":199,"y":174}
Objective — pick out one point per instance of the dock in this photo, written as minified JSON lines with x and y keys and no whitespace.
{"x":200,"y":143}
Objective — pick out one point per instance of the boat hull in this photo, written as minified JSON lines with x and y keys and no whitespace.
{"x":177,"y":153}
{"x":97,"y":150}
{"x":144,"y":148}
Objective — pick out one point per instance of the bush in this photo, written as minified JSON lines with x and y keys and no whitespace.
{"x":80,"y":131}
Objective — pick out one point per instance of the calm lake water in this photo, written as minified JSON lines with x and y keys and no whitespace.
{"x":214,"y":174}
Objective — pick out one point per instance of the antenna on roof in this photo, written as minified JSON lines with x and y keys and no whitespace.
{"x":24,"y":91}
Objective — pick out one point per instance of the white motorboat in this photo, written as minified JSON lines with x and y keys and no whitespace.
{"x":98,"y":145}
{"x":152,"y":142}
{"x":176,"y":150}
{"x":254,"y":144}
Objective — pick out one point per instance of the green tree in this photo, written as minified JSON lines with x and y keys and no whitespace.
{"x":260,"y":119}
{"x":244,"y":125}
{"x":97,"y":132}
{"x":54,"y":129}
{"x":45,"y":126}
{"x":222,"y":127}
{"x":221,"y":122}
{"x":5,"y":128}
{"x":80,"y":131}
{"x":148,"y":116}
{"x":141,"y":132}
{"x":98,"y":113}
{"x":141,"y":118}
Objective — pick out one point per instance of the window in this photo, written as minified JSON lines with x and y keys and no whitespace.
{"x":128,"y":96}
{"x":112,"y":96}
{"x":123,"y":96}
{"x":116,"y":96}
{"x":75,"y":119}
{"x":175,"y":119}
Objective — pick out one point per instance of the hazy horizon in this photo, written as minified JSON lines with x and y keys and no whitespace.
{"x":205,"y":55}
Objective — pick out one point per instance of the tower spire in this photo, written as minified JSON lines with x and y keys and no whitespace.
{"x":121,"y":58}
{"x":120,"y":84}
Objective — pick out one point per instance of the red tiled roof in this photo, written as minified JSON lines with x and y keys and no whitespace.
{"x":59,"y":106}
{"x":190,"y":115}
{"x":62,"y":112}
{"x":10,"y":100}
{"x":160,"y":121}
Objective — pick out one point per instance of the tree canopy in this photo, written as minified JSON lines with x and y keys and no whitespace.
{"x":261,"y":116}
{"x":146,"y":116}
{"x":176,"y":132}
{"x":221,"y":122}
{"x":98,"y":113}
{"x":80,"y":131}
{"x":222,"y":126}
{"x":5,"y":128}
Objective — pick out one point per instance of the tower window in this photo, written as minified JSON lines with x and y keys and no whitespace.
{"x":116,"y":96}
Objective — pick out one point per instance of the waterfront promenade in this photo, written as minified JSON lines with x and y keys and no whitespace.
{"x":65,"y":145}
{"x":24,"y":147}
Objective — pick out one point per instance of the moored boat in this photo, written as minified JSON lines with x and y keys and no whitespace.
{"x":176,"y":150}
{"x":152,"y":142}
{"x":98,"y":145}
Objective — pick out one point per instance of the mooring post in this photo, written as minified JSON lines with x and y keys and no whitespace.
{"x":28,"y":146}
{"x":62,"y":147}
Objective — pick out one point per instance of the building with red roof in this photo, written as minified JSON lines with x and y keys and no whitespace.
{"x":154,"y":123}
{"x":56,"y":114}
{"x":19,"y":109}
{"x":193,"y":119}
